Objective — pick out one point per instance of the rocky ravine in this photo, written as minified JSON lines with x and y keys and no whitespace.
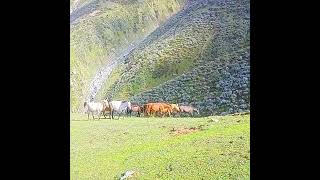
{"x":105,"y":71}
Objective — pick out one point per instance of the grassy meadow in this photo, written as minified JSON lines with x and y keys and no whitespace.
{"x":214,"y":147}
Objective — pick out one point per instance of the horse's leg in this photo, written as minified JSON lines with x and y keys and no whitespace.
{"x":88,"y":115}
{"x":112,"y":114}
{"x":99,"y":115}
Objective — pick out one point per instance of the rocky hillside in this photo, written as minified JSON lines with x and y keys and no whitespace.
{"x":199,"y":56}
{"x":103,"y":30}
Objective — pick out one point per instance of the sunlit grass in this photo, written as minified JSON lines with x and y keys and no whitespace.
{"x":107,"y":148}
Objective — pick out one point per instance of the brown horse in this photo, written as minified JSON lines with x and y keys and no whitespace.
{"x":135,"y":108}
{"x":188,"y":109}
{"x":170,"y":108}
{"x":152,"y":108}
{"x":106,"y":108}
{"x":167,"y":109}
{"x":157,"y":108}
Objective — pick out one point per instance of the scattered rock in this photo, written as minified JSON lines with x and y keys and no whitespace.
{"x":127,"y":174}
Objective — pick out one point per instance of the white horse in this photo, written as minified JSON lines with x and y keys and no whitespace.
{"x":93,"y":107}
{"x":119,"y":107}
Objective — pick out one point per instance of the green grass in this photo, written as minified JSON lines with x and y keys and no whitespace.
{"x":107,"y":148}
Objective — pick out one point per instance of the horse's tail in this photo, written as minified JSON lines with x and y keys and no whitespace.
{"x":85,"y":104}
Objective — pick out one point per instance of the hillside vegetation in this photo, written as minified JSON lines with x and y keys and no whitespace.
{"x":199,"y":56}
{"x":215,"y":147}
{"x":103,"y":30}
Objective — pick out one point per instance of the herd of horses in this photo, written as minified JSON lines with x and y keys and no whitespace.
{"x":126,"y":107}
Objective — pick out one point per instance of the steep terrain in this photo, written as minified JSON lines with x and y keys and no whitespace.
{"x":104,"y":30}
{"x":200,"y":56}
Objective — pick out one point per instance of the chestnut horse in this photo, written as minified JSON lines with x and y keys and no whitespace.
{"x":106,"y":108}
{"x":157,"y":108}
{"x":135,"y":108}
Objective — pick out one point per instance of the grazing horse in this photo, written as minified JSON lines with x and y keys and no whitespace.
{"x":188,"y":109}
{"x":160,"y":108}
{"x":106,"y":108}
{"x":151,"y":108}
{"x":93,"y":107}
{"x":120,"y":107}
{"x":135,"y":108}
{"x":168,"y":109}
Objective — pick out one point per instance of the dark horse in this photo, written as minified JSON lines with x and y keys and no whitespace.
{"x":134,"y":108}
{"x":106,"y":108}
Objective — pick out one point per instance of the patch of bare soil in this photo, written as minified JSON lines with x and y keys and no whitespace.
{"x":181,"y":131}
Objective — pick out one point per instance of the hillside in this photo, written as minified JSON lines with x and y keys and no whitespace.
{"x":199,"y":56}
{"x":102,"y":31}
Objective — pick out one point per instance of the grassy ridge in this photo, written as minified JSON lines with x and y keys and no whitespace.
{"x":105,"y":149}
{"x":104,"y":31}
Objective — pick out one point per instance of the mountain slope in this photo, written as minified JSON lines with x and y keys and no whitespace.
{"x":101,"y":31}
{"x":200,"y":56}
